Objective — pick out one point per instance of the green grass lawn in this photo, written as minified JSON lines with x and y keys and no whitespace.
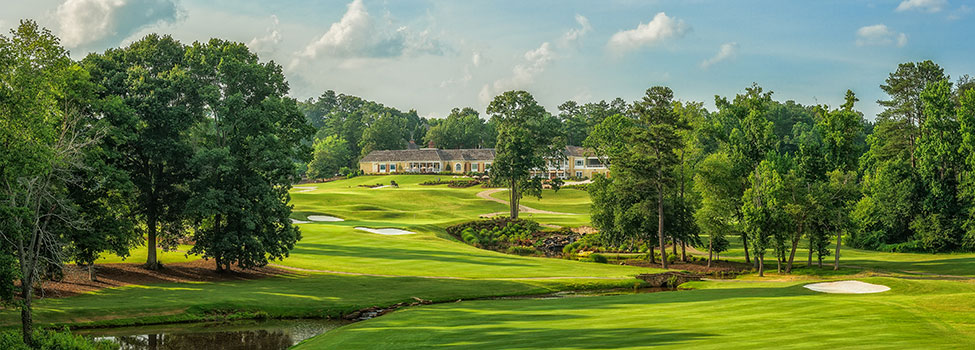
{"x":567,"y":200}
{"x":719,"y":315}
{"x":301,"y":295}
{"x":953,"y":264}
{"x":337,"y":246}
{"x":392,"y":269}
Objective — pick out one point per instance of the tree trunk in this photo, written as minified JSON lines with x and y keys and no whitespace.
{"x":674,"y":243}
{"x":809,"y":262}
{"x":26,"y":319}
{"x":744,"y":241}
{"x":710,"y":250}
{"x":683,"y":251}
{"x":760,"y":259}
{"x":836,"y":262}
{"x":653,"y":257}
{"x":795,"y":245}
{"x":513,"y":202}
{"x":91,"y":272}
{"x":151,"y":262}
{"x":660,"y":220}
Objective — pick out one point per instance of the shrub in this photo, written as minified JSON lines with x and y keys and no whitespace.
{"x":496,"y":232}
{"x":671,"y":258}
{"x":52,"y":340}
{"x":598,"y":258}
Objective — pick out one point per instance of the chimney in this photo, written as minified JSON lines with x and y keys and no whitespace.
{"x":430,"y":144}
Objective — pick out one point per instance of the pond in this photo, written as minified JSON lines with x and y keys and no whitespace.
{"x":269,"y":335}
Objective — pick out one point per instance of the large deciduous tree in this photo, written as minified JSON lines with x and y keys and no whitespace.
{"x":330,"y":155}
{"x":245,"y":164}
{"x":462,"y":128}
{"x":152,"y":103}
{"x":43,"y":147}
{"x":528,"y":139}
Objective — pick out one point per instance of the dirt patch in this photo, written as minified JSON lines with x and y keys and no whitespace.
{"x":585,"y":230}
{"x":116,"y":275}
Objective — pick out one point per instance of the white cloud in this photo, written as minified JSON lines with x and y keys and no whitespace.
{"x":476,"y":58}
{"x":534,"y":62}
{"x":573,"y":36}
{"x":880,"y":35}
{"x":727,"y":50}
{"x":358,"y":35}
{"x":961,"y":12}
{"x":922,"y":5}
{"x":267,"y":43}
{"x":95,"y":22}
{"x":659,"y":29}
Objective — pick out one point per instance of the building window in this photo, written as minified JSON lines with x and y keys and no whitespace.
{"x":382,"y":167}
{"x":579,"y":162}
{"x":474,"y":167}
{"x":392,"y":168}
{"x":457,"y":167}
{"x":594,"y":163}
{"x":579,"y":174}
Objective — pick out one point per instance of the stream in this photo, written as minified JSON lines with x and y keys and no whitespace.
{"x":263,"y":334}
{"x":234,"y":335}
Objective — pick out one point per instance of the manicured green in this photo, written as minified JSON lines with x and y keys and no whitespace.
{"x":567,"y":200}
{"x":720,"y":315}
{"x":466,"y":272}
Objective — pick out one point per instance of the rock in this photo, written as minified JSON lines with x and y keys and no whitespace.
{"x":670,"y":279}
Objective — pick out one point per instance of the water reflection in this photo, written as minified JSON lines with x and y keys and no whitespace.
{"x":260,"y":335}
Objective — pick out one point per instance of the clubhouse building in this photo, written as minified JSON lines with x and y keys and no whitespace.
{"x":578,"y":162}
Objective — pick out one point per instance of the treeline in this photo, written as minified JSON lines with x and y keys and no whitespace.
{"x":154,"y":143}
{"x":776,"y":174}
{"x":349,"y":127}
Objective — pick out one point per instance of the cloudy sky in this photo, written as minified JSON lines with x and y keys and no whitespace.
{"x":434,"y":55}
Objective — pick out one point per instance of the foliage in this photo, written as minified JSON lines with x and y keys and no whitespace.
{"x":331,"y":156}
{"x":53,"y":340}
{"x":245,"y":152}
{"x":496,"y":233}
{"x":598,"y":258}
{"x":528,"y":139}
{"x":151,"y":101}
{"x":462,"y":128}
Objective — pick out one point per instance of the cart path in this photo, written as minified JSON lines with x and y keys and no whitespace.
{"x":487,"y":195}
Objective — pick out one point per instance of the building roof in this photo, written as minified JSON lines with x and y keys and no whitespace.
{"x":576,"y":151}
{"x":403,"y":155}
{"x":468,"y":154}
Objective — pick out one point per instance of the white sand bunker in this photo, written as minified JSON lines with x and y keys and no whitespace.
{"x":303,"y":189}
{"x":325,"y":218}
{"x":385,"y":231}
{"x":296,"y":221}
{"x":847,"y":287}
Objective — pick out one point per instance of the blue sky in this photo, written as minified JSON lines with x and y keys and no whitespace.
{"x":435,"y":55}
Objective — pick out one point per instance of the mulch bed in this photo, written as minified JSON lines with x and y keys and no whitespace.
{"x":696,"y":266}
{"x":116,"y":275}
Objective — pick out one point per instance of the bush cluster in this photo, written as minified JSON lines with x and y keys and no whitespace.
{"x":496,"y":233}
{"x":452,"y":183}
{"x":52,"y":340}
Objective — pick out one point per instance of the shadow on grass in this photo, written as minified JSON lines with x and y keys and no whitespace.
{"x":390,"y":253}
{"x":952,"y":266}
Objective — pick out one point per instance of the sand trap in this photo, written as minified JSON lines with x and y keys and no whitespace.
{"x":385,"y":231}
{"x":296,"y":221}
{"x":847,"y":287}
{"x":383,"y":186}
{"x":325,"y":218}
{"x":302,"y":189}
